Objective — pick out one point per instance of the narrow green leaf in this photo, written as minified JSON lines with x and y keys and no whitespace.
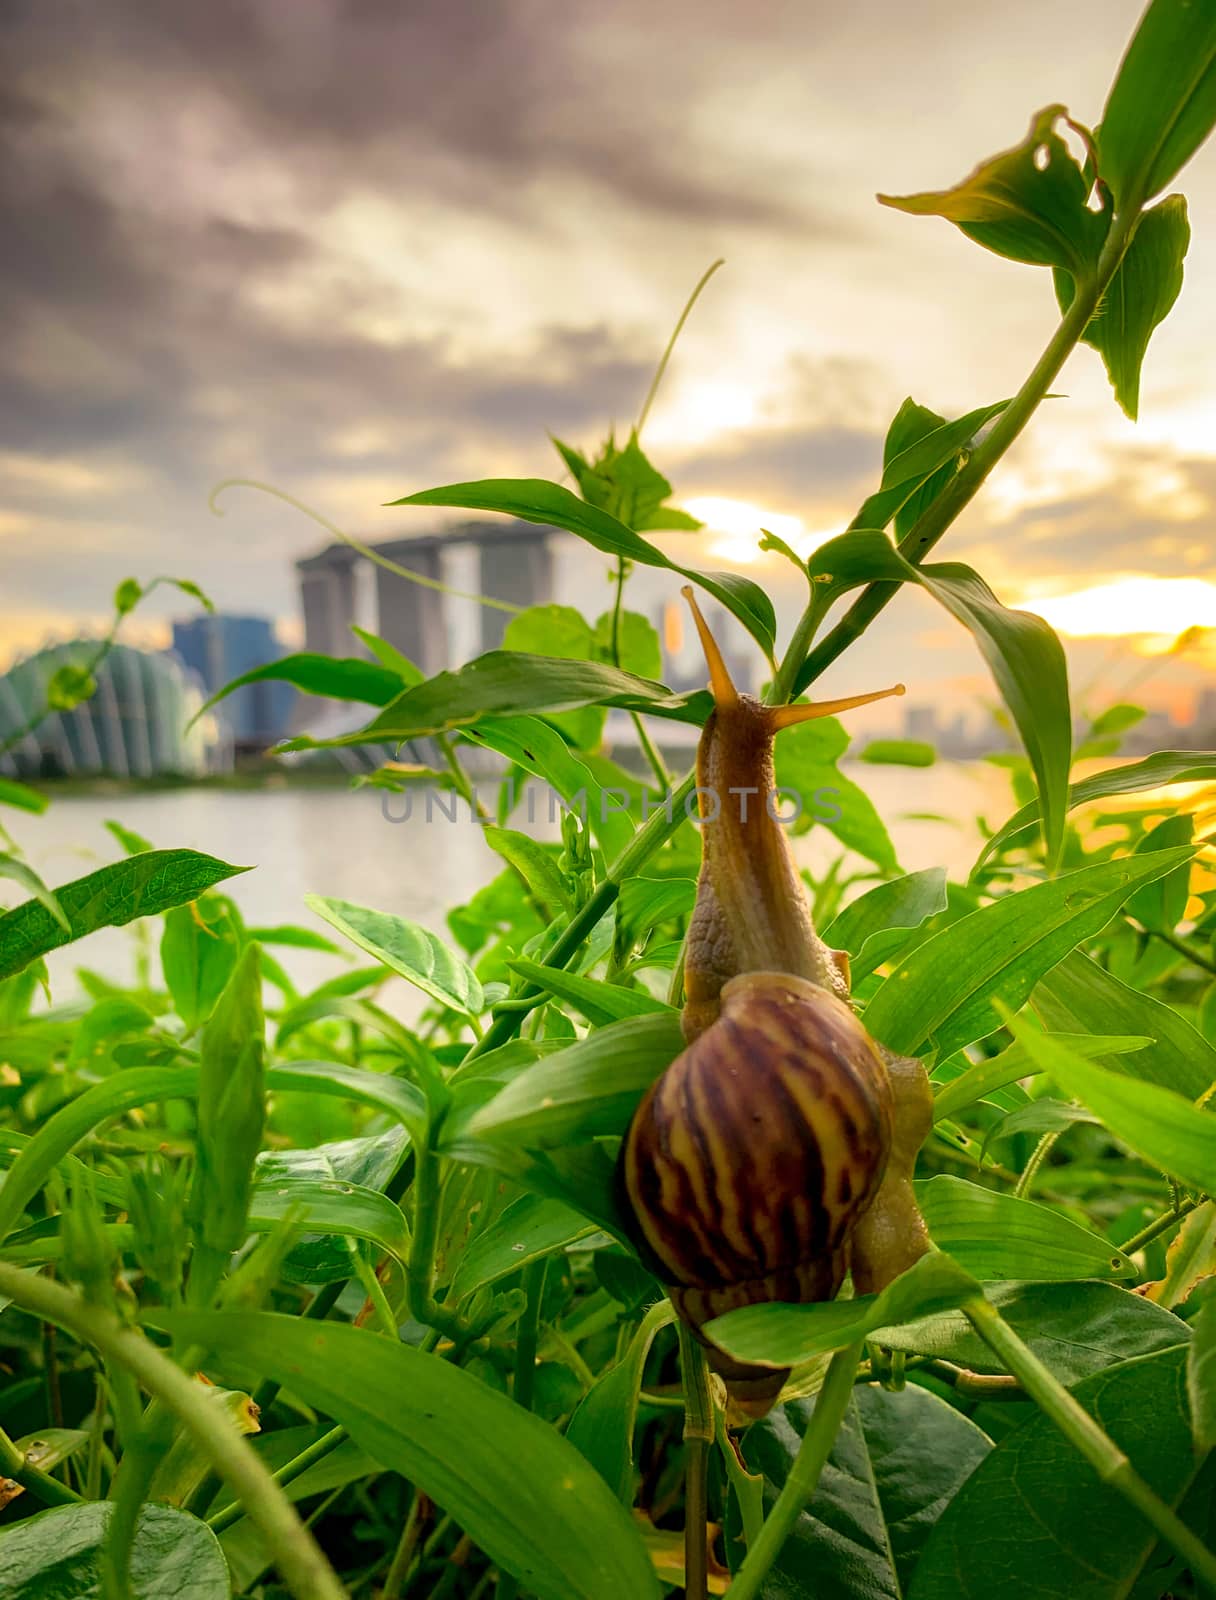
{"x":1078,"y":996}
{"x":601,"y":1428}
{"x":520,"y":1491}
{"x":898,"y":753}
{"x":407,"y":948}
{"x":536,"y":864}
{"x":877,"y":924}
{"x":599,"y":1002}
{"x":338,"y":678}
{"x":777,"y":1335}
{"x":58,"y":1553}
{"x":22,"y":796}
{"x":1159,"y":1125}
{"x":389,"y":656}
{"x":198,"y":951}
{"x":942,"y":992}
{"x":329,"y":1205}
{"x":26,"y":878}
{"x":994,"y":1235}
{"x":537,"y":500}
{"x":1162,"y":105}
{"x":1040,"y":1116}
{"x":529,"y":1229}
{"x":920,"y":456}
{"x":116,"y":894}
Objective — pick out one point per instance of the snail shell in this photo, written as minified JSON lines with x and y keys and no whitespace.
{"x":752,"y":1158}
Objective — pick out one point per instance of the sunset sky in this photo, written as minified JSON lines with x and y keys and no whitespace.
{"x":362,"y":248}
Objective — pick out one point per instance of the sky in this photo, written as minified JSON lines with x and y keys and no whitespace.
{"x":357,"y":248}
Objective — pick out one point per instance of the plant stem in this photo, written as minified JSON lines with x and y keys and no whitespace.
{"x":526,"y":1341}
{"x":1080,"y":1429}
{"x":958,"y":493}
{"x":1037,"y":1157}
{"x":1195,"y":957}
{"x":1159,"y":1225}
{"x":671,"y":343}
{"x":403,"y":1556}
{"x":290,"y":1470}
{"x":299,"y":1559}
{"x":651,"y":751}
{"x":14,"y":1465}
{"x":830,"y":1406}
{"x":698,"y":1437}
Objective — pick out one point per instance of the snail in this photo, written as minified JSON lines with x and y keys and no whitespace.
{"x":775,"y":1152}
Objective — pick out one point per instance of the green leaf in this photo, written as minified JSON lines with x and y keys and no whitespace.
{"x":562,"y":632}
{"x":878,"y":923}
{"x":1040,"y":1116}
{"x":647,"y":903}
{"x":640,"y":649}
{"x":537,"y":500}
{"x":599,"y":1002}
{"x":1074,"y":1328}
{"x":327,"y":1206}
{"x":528,"y":1230}
{"x":407,"y":948}
{"x":127,"y":595}
{"x":898,"y":753}
{"x":1050,"y":1526}
{"x":398,"y":1097}
{"x":133,"y":844}
{"x":942,"y":992}
{"x":520,"y":1491}
{"x":806,"y":759}
{"x":921,"y":454}
{"x":116,"y":894}
{"x":198,"y":951}
{"x":388,"y":655}
{"x":69,"y":687}
{"x":508,"y":683}
{"x":1159,"y":1125}
{"x":1155,"y":771}
{"x":1162,"y":904}
{"x":58,"y":1553}
{"x":1079,"y":996}
{"x":22,"y":796}
{"x":896,"y":1464}
{"x":1201,"y":1376}
{"x":601,"y":1428}
{"x":339,"y":678}
{"x":774,"y":1335}
{"x":1028,"y":204}
{"x":1162,"y":105}
{"x":536,"y":864}
{"x":585,"y":1091}
{"x":1141,"y":295}
{"x":993,"y":1235}
{"x":26,"y":878}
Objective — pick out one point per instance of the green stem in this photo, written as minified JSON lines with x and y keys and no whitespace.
{"x":14,"y":1465}
{"x":671,"y":343}
{"x":302,"y":1566}
{"x":698,"y":1437}
{"x":526,"y":1341}
{"x":800,"y":1484}
{"x":290,"y":1470}
{"x":1037,"y":1157}
{"x":403,"y":1556}
{"x":1080,"y":1429}
{"x":958,"y":493}
{"x":1159,"y":1225}
{"x":1195,"y":957}
{"x":651,"y":751}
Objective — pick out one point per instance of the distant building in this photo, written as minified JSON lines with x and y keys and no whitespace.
{"x":221,"y":647}
{"x":339,"y":587}
{"x":133,"y":726}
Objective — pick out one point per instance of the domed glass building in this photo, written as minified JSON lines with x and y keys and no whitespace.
{"x":133,"y":726}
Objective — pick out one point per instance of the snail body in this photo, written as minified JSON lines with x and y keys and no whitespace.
{"x":750,"y":1167}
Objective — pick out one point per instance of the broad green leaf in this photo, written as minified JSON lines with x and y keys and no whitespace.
{"x":22,"y":796}
{"x":198,"y":951}
{"x":508,"y":683}
{"x":775,"y":1335}
{"x":534,"y":863}
{"x":58,"y":1553}
{"x":645,"y":903}
{"x":640,"y":650}
{"x":897,"y":1462}
{"x":328,"y":1206}
{"x":601,"y":1428}
{"x":806,"y":761}
{"x":26,"y":878}
{"x":898,"y":753}
{"x":140,"y":886}
{"x":69,"y":687}
{"x":1163,"y":768}
{"x":994,"y":1235}
{"x":561,"y":631}
{"x":1162,"y":105}
{"x":1201,"y":1376}
{"x":1141,"y":294}
{"x":537,"y":500}
{"x":529,"y":1229}
{"x":520,"y":1491}
{"x":1074,"y":1328}
{"x":1028,"y":204}
{"x":921,"y":454}
{"x":407,"y":948}
{"x":625,"y":483}
{"x":942,"y":993}
{"x":398,"y":1097}
{"x":878,"y":923}
{"x":1159,"y":1125}
{"x":337,"y":677}
{"x":1079,"y":996}
{"x":1161,"y":905}
{"x":599,"y":1002}
{"x":585,"y":1091}
{"x":1050,"y":1526}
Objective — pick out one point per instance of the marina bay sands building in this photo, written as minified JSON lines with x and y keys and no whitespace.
{"x":505,"y":560}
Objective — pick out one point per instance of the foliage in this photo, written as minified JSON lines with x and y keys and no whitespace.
{"x":427,"y":1335}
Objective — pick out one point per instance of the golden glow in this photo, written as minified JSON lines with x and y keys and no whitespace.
{"x":735,"y":528}
{"x":698,"y":411}
{"x":1131,"y":605}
